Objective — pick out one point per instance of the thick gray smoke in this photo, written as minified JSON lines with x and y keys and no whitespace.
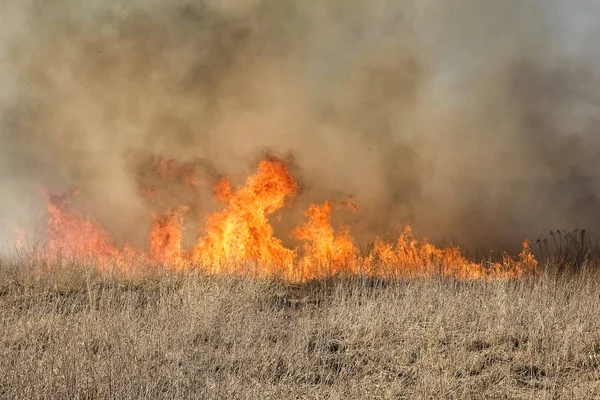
{"x":473,"y":120}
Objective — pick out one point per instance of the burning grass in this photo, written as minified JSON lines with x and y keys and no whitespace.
{"x":240,"y":235}
{"x":74,"y":332}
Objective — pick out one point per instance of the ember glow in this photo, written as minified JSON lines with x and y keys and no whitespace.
{"x":239,"y":238}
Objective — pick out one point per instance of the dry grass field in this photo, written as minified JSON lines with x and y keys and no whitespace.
{"x":72,"y":333}
{"x":291,"y":199}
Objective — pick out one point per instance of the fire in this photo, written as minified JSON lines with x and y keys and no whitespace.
{"x":166,"y":239}
{"x":240,"y":238}
{"x":412,"y":257}
{"x":325,"y":254}
{"x":72,"y":235}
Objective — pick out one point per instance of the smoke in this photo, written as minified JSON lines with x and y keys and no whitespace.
{"x":472,"y":120}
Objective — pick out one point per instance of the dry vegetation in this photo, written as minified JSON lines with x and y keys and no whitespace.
{"x":75,"y":334}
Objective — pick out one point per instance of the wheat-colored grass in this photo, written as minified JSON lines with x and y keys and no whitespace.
{"x":73,"y":334}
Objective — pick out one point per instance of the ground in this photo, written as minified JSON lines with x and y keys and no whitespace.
{"x":78,"y":334}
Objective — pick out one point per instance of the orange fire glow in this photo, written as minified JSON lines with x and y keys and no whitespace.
{"x":166,"y":239}
{"x":324,"y":253}
{"x":240,"y":239}
{"x":72,"y":235}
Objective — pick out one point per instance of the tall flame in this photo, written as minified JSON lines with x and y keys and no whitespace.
{"x":240,"y":239}
{"x":325,"y":253}
{"x":241,"y":236}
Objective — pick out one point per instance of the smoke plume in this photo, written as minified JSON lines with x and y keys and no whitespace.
{"x":475,"y":121}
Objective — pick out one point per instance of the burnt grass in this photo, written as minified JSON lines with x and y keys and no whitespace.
{"x":74,"y":333}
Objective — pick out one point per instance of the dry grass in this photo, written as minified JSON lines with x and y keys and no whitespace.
{"x":74,"y":334}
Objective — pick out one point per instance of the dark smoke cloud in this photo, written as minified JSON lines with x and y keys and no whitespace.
{"x":473,"y":120}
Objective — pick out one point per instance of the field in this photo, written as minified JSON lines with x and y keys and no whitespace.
{"x":291,"y":199}
{"x":73,"y":333}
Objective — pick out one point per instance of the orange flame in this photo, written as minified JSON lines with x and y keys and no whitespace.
{"x":74,"y":236}
{"x":241,"y":235}
{"x":240,"y":239}
{"x":165,"y":239}
{"x":325,"y":254}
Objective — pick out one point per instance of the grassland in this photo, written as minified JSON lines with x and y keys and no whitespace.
{"x":72,"y":333}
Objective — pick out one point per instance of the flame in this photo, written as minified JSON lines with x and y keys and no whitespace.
{"x":73,"y":236}
{"x":166,"y":239}
{"x":325,"y":254}
{"x":412,"y":257}
{"x":239,"y":238}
